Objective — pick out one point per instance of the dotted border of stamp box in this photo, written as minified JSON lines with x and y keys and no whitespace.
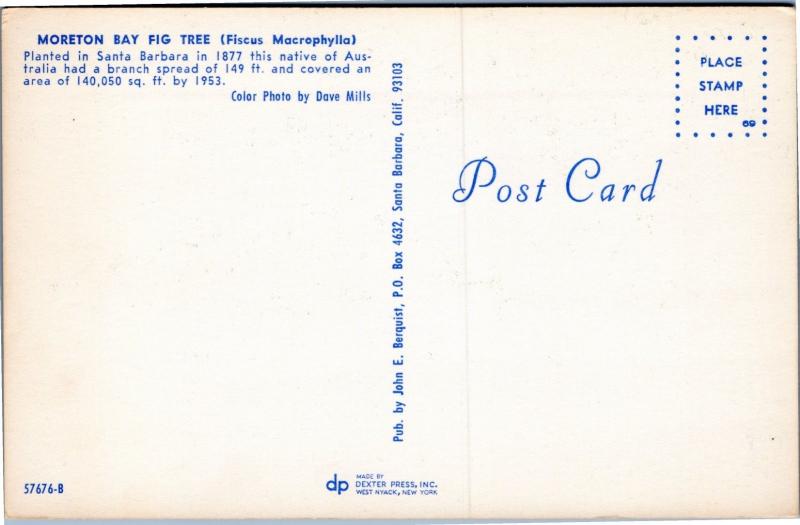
{"x":764,"y":86}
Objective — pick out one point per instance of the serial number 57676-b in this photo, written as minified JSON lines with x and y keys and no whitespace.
{"x":43,"y":488}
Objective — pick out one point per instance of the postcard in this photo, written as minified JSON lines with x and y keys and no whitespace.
{"x":433,"y":262}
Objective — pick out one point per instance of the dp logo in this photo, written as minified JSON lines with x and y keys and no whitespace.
{"x":337,"y":486}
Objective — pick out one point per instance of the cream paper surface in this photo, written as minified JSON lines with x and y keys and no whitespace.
{"x":204,"y":311}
